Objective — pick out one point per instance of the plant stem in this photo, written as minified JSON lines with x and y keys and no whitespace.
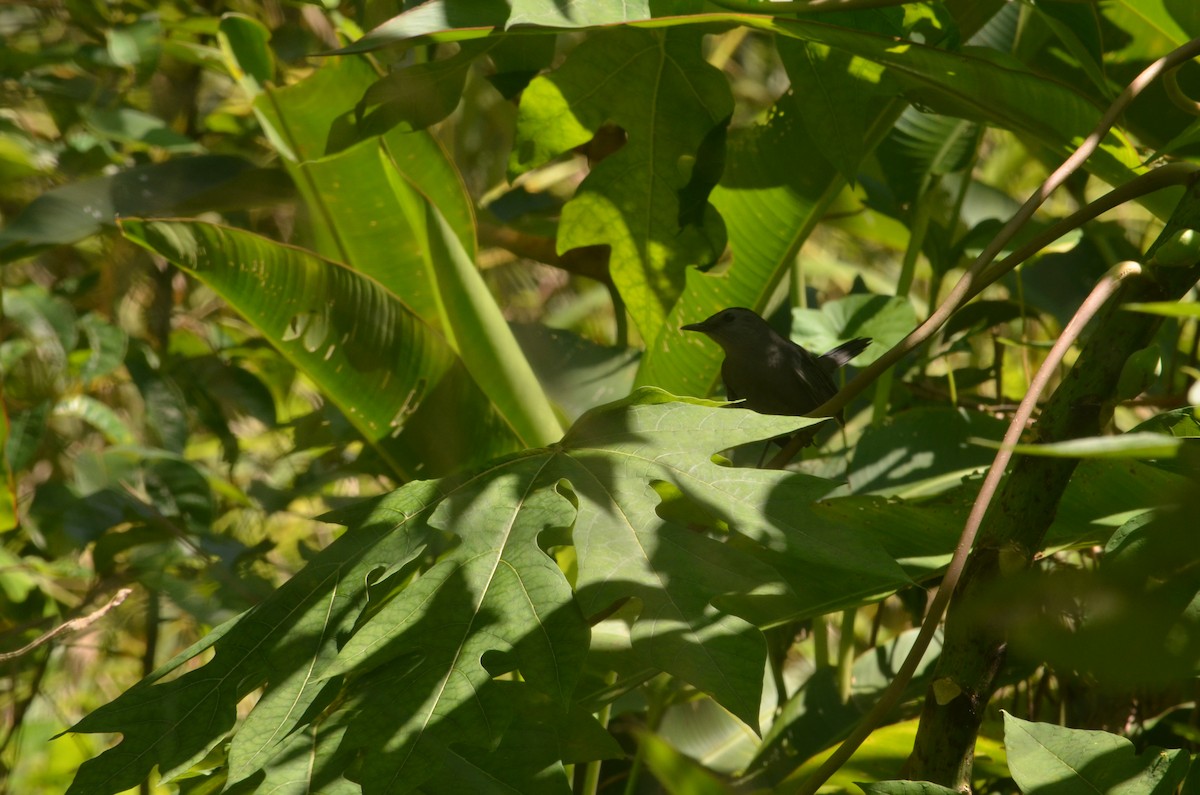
{"x":820,"y":629}
{"x":937,"y":607}
{"x":959,"y":295}
{"x":846,"y":655}
{"x":591,"y":773}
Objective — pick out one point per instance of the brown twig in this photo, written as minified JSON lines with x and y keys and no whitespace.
{"x":976,"y":277}
{"x":1099,"y":295}
{"x":589,"y":261}
{"x":74,"y":625}
{"x":959,"y":295}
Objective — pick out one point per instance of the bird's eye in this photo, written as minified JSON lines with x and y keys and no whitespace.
{"x":727,"y":317}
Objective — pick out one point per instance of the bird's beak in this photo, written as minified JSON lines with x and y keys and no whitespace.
{"x":694,"y":327}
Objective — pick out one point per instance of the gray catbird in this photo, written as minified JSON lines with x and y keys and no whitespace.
{"x":771,"y":373}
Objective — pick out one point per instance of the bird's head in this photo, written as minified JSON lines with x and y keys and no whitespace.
{"x":735,"y":328}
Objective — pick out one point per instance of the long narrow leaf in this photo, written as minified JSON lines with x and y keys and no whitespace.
{"x":395,"y":379}
{"x":485,"y":342}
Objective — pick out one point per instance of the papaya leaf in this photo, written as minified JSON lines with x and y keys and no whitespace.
{"x":380,"y":655}
{"x":775,"y":188}
{"x":648,"y":201}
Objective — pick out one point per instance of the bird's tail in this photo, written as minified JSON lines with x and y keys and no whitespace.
{"x":839,"y":356}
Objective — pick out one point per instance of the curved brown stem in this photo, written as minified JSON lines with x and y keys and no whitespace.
{"x":1176,"y":95}
{"x":963,"y":290}
{"x":74,"y":625}
{"x":972,"y":281}
{"x":589,"y":261}
{"x":1167,"y":176}
{"x":1099,"y":295}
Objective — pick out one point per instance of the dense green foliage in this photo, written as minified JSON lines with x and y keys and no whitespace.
{"x":357,"y":358}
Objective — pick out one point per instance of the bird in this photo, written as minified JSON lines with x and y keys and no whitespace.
{"x":768,"y":372}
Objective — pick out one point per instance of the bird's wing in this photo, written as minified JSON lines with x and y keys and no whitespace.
{"x":812,"y":380}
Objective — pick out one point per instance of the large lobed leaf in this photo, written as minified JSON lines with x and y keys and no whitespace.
{"x":775,"y":188}
{"x":648,"y":201}
{"x":389,"y":653}
{"x":770,"y":200}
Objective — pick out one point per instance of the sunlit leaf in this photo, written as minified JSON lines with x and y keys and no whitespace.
{"x":415,"y":673}
{"x":1043,"y":755}
{"x":648,"y":201}
{"x":1126,"y":445}
{"x":385,"y":369}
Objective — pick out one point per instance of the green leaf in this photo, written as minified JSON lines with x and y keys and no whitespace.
{"x":96,"y":414}
{"x":905,"y":788}
{"x":519,"y":59}
{"x":394,"y":208}
{"x":576,"y":373}
{"x":1125,"y":445}
{"x":80,"y":209}
{"x":45,"y":319}
{"x":648,"y":201}
{"x":245,"y":46}
{"x":440,"y":20}
{"x":983,"y":85}
{"x":453,"y":21}
{"x":1141,"y":370}
{"x":812,"y":554}
{"x":8,"y":484}
{"x":923,"y":146}
{"x":976,"y":84}
{"x":24,"y":435}
{"x":701,"y":729}
{"x":1077,"y":26}
{"x":396,"y":379}
{"x":815,"y":717}
{"x":484,"y":340}
{"x":315,"y":117}
{"x":676,"y":773}
{"x":775,"y":188}
{"x":1150,"y":31}
{"x":164,"y":402}
{"x":367,"y":200}
{"x":1182,"y":422}
{"x":883,"y":753}
{"x":886,"y":320}
{"x":135,"y":45}
{"x":1103,"y":493}
{"x":1185,"y":14}
{"x":1048,"y":758}
{"x":921,"y":451}
{"x":824,"y":81}
{"x":1165,"y":308}
{"x":130,"y":126}
{"x":415,"y":654}
{"x":107,"y":345}
{"x":422,"y":94}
